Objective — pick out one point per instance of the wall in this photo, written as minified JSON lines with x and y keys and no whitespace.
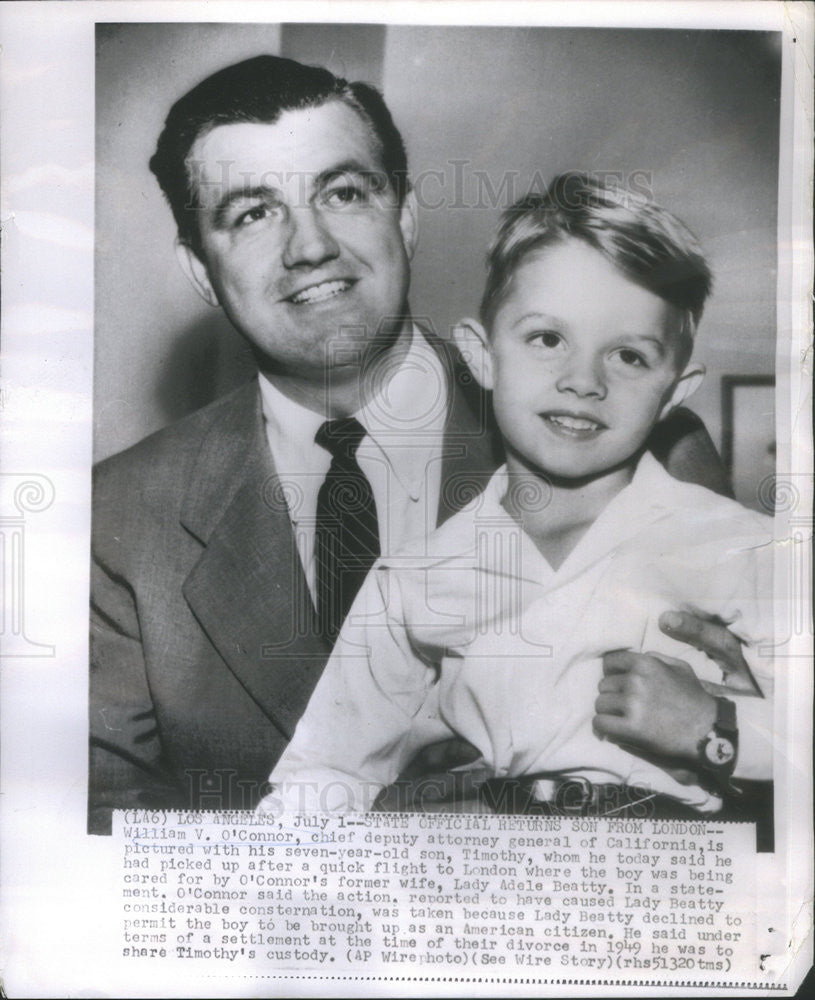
{"x":159,"y":350}
{"x":697,"y":112}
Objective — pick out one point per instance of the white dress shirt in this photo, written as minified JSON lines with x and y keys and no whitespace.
{"x":474,"y":633}
{"x":400,"y":454}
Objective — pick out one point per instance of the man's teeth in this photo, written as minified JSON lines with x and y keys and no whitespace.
{"x":574,"y":423}
{"x":325,"y":290}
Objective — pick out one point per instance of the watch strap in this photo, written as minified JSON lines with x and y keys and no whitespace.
{"x":725,"y":733}
{"x":726,"y":724}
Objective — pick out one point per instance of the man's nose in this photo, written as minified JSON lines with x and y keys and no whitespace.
{"x":582,"y":376}
{"x":309,"y":241}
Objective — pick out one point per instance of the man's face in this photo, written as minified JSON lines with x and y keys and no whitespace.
{"x":298,"y":239}
{"x":582,"y":363}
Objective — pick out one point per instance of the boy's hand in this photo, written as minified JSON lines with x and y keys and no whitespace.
{"x":653,"y":703}
{"x":716,"y":641}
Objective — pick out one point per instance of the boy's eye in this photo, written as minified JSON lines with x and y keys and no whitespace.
{"x":545,"y":338}
{"x":632,"y":358}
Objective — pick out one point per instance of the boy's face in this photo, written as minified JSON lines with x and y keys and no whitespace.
{"x":582,"y":363}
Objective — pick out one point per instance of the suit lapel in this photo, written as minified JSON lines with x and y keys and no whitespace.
{"x":471,"y":450}
{"x":248,"y":590}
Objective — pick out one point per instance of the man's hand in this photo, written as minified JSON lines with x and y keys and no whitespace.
{"x":438,"y":758}
{"x":653,"y":703}
{"x":429,"y":783}
{"x":716,"y":641}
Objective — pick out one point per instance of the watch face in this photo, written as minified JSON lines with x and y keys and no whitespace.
{"x":719,"y":751}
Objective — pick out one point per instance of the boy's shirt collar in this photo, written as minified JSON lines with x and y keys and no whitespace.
{"x":510,"y":551}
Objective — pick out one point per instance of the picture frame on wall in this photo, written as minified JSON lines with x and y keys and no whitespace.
{"x":748,"y":438}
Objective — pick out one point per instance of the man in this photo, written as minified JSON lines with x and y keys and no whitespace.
{"x":226,"y":548}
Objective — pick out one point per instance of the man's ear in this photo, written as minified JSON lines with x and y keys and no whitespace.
{"x":472,"y":341}
{"x":196,"y":272}
{"x":689,"y":381}
{"x":409,"y":223}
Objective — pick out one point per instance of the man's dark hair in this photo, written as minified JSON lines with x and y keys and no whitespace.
{"x":260,"y":90}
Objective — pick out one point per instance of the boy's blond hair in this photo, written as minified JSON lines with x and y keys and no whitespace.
{"x":647,"y":243}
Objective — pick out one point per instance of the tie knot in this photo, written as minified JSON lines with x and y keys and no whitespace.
{"x":341,"y":437}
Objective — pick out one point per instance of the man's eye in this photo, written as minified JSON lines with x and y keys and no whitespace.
{"x":345,"y":194}
{"x":254,"y":214}
{"x":632,"y":358}
{"x":545,"y":338}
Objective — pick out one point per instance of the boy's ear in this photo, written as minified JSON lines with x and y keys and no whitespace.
{"x":689,"y":381}
{"x":472,"y":341}
{"x":196,"y":272}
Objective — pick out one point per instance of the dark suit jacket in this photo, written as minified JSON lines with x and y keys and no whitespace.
{"x":204,"y":646}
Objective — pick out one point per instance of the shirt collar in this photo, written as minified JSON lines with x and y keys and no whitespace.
{"x":408,"y":409}
{"x":405,"y":417}
{"x":292,"y":429}
{"x":651,"y":493}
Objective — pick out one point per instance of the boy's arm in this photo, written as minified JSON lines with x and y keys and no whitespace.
{"x":682,"y":444}
{"x":754,"y":714}
{"x":370,"y":711}
{"x":657,"y":704}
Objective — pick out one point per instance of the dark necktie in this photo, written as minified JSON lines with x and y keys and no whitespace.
{"x":346,"y":541}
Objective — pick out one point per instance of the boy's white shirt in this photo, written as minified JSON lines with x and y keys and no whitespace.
{"x":472,"y":632}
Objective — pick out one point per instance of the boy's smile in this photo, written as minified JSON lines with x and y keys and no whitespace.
{"x":573,"y":425}
{"x":582,"y":362}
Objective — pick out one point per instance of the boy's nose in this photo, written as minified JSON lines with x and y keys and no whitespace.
{"x":309,"y":241}
{"x":583,"y":377}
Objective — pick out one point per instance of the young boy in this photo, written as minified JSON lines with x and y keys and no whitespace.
{"x":501,"y":626}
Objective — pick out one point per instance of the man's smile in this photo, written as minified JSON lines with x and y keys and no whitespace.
{"x":320,"y":291}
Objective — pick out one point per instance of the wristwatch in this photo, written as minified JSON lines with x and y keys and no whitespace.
{"x":719,"y":749}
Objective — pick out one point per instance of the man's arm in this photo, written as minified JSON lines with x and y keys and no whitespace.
{"x":370,"y":712}
{"x":754,"y":714}
{"x":682,"y":444}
